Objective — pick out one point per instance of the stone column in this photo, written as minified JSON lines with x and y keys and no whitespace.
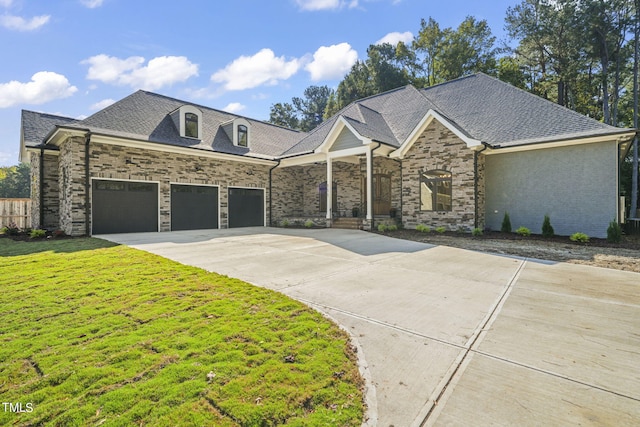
{"x":329,"y":188}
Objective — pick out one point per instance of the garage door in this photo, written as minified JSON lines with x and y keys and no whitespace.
{"x":124,"y":207}
{"x":193,"y":207}
{"x":246,"y":207}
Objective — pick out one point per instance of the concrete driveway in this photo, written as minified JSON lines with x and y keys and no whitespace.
{"x":449,"y":337}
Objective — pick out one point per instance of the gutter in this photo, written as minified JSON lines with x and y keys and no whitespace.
{"x":475,"y":184}
{"x":270,"y":194}
{"x":87,"y":183}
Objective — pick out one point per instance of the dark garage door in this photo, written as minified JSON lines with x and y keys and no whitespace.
{"x":246,"y":207}
{"x":124,"y":207}
{"x":193,"y":207}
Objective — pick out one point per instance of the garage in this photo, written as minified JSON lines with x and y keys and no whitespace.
{"x":246,"y":207}
{"x":124,"y":207}
{"x":193,"y":207}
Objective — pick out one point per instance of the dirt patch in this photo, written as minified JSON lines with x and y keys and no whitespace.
{"x":598,"y":252}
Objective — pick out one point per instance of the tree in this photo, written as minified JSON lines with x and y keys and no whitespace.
{"x":428,"y":44}
{"x":283,"y":114}
{"x":303,"y":113}
{"x":16,"y":182}
{"x":311,"y":108}
{"x":550,"y":42}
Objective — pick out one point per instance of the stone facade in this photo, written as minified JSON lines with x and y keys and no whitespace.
{"x":295,"y":190}
{"x":439,"y":148}
{"x":49,"y":186}
{"x":126,"y":163}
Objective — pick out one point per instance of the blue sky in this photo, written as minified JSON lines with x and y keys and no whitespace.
{"x":74,"y":57}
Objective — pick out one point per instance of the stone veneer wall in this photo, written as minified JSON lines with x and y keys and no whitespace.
{"x":439,"y":148}
{"x":51,"y":198}
{"x":126,"y":163}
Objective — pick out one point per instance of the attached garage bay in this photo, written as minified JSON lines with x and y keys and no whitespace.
{"x":246,"y":207}
{"x":124,"y":206}
{"x":193,"y":207}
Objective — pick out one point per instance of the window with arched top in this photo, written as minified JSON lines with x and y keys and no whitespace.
{"x":191,"y":125}
{"x":243,"y":136}
{"x":436,"y":190}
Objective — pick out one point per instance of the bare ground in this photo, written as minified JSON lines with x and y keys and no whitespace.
{"x":598,"y":252}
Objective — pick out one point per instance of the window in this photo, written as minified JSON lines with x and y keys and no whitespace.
{"x":243,"y":136}
{"x":191,"y":125}
{"x":435,"y":190}
{"x":322,"y":190}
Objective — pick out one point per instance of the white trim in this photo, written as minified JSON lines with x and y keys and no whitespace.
{"x":218,"y":186}
{"x":422,"y":126}
{"x":616,"y":138}
{"x":335,"y":131}
{"x":264,"y":201}
{"x":304,"y":159}
{"x":239,"y":121}
{"x":349,"y":152}
{"x":95,"y":178}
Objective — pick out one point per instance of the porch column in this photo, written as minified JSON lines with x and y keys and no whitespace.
{"x":369,"y":185}
{"x":329,"y":188}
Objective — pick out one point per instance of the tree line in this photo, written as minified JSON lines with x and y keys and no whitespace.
{"x":578,"y":53}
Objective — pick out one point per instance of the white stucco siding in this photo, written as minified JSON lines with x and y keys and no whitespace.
{"x":577,"y":186}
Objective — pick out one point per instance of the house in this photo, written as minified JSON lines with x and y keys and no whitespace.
{"x":458,"y":155}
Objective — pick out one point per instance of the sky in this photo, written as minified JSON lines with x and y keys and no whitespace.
{"x":75,"y":57}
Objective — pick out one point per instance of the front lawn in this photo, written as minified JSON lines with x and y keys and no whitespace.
{"x":97,"y":334}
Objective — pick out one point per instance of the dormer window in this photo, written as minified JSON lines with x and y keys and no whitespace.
{"x":243,"y":136}
{"x":188,"y":121}
{"x":191,"y":125}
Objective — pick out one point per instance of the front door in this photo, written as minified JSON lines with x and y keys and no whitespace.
{"x":381,"y":194}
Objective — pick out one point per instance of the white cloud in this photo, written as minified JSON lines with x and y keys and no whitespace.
{"x":102,"y":104}
{"x":6,"y":3}
{"x":92,"y":4}
{"x":313,"y":5}
{"x":159,"y":72}
{"x":234,"y":107}
{"x":44,"y":86}
{"x":18,"y":23}
{"x":247,"y":72}
{"x":396,"y":37}
{"x":332,"y":62}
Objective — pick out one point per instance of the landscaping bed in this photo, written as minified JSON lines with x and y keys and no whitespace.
{"x":597,"y":252}
{"x":98,"y":334}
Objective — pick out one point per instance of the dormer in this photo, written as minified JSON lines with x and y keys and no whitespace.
{"x":188,"y":121}
{"x":239,"y":132}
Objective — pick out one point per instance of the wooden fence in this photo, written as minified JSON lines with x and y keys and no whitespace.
{"x":17,"y":211}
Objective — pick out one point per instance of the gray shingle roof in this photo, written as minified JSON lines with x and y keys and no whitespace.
{"x":479,"y":106}
{"x":146,"y":116}
{"x":36,"y":126}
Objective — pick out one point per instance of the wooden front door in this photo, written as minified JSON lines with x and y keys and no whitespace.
{"x":381,"y":194}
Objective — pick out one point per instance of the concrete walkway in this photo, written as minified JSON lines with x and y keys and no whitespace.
{"x":450,"y":337}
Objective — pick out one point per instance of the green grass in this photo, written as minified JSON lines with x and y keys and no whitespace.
{"x":97,"y":334}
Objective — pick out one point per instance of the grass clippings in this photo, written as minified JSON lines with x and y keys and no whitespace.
{"x":98,"y":334}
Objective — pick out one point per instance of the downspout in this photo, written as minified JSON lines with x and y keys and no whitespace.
{"x":87,"y":184}
{"x":41,"y":195}
{"x":270,"y":197}
{"x":373,"y":216}
{"x":475,"y":185}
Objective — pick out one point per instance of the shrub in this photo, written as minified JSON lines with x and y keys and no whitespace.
{"x":382,"y":228}
{"x":308,"y":223}
{"x":285,"y":223}
{"x":476,"y":232}
{"x":441,"y":229}
{"x":37,"y":234}
{"x":547,"y":229}
{"x":506,"y":223}
{"x":523,"y":231}
{"x":423,"y":228}
{"x":614,"y":232}
{"x":579,"y":237}
{"x":392,"y":227}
